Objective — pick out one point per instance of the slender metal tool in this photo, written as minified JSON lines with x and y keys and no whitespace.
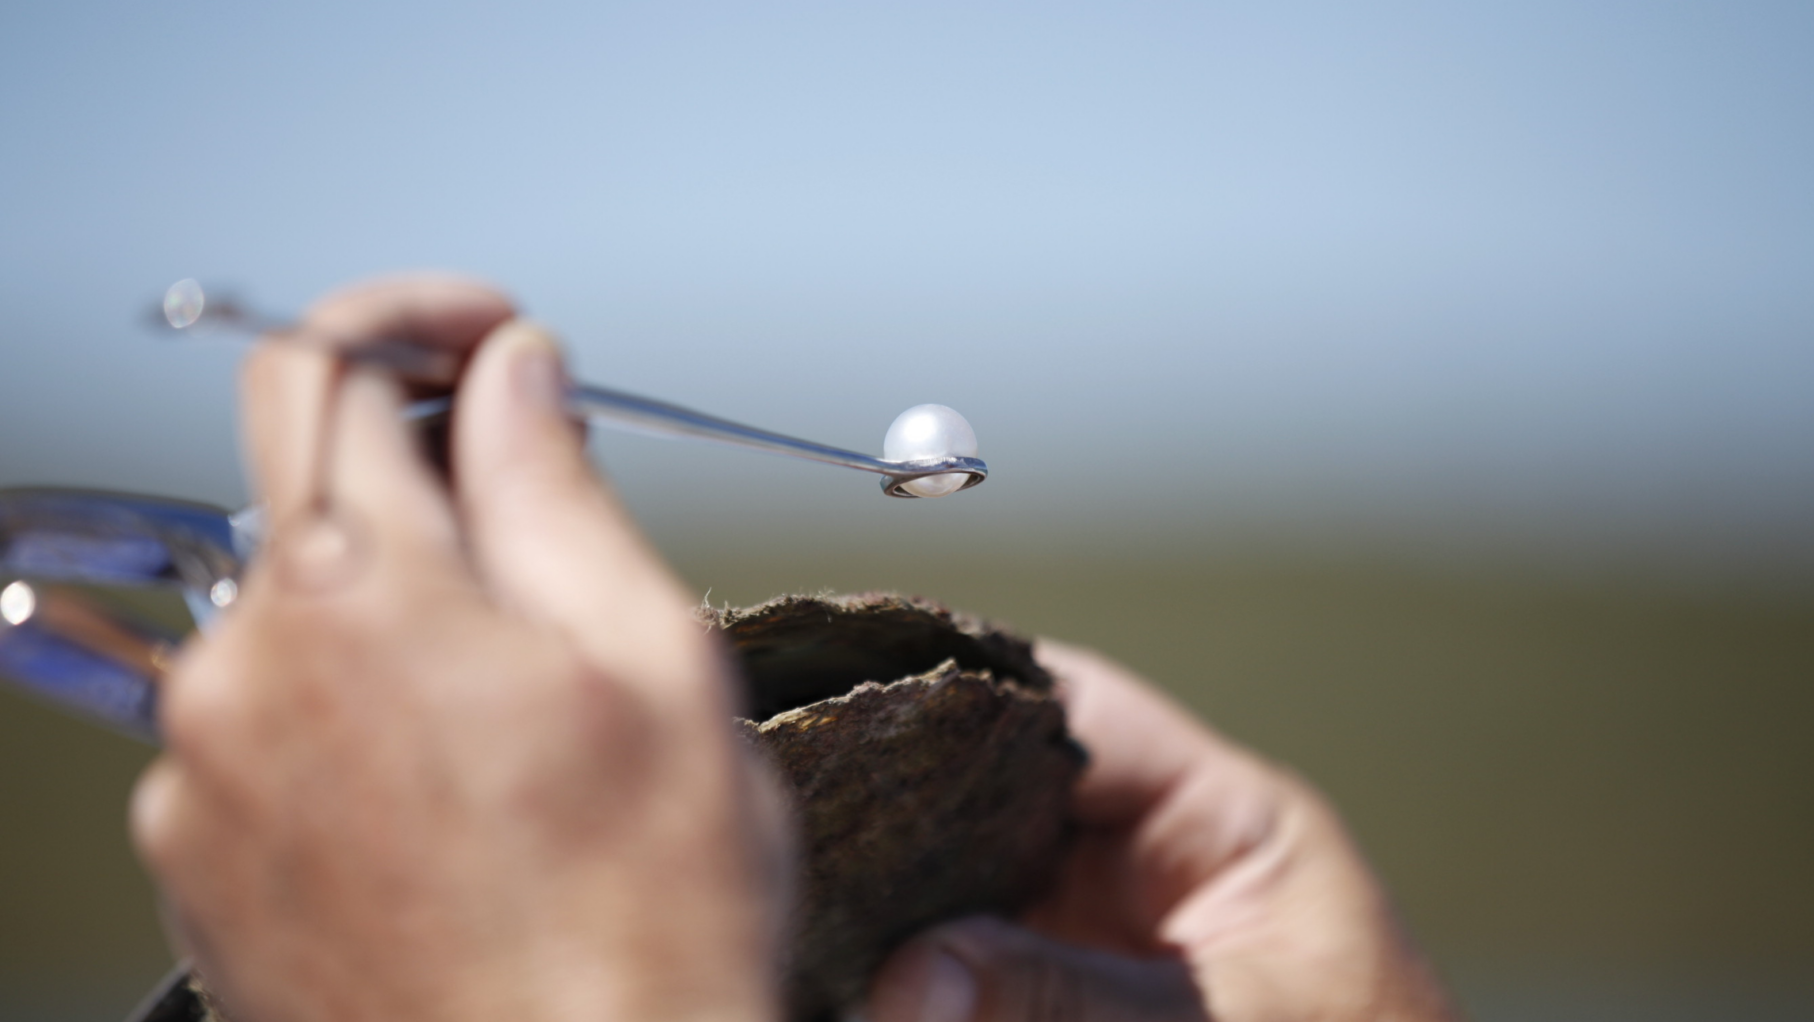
{"x":98,"y":589}
{"x":186,"y":306}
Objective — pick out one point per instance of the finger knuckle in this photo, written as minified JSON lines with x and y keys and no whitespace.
{"x":318,"y":558}
{"x":603,"y":722}
{"x":152,"y":823}
{"x":601,"y":711}
{"x":198,"y":705}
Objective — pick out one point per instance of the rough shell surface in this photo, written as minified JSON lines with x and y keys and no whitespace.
{"x":932,"y":785}
{"x":928,"y":765}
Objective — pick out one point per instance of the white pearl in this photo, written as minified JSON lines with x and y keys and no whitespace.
{"x":183,"y":304}
{"x":930,"y":431}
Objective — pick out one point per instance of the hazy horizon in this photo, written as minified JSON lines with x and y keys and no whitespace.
{"x":1501,"y":273}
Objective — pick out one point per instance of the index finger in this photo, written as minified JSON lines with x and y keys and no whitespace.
{"x":1142,"y":745}
{"x":1165,"y":800}
{"x":287,"y":388}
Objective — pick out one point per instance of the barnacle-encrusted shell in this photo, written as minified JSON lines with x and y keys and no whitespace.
{"x":928,"y":767}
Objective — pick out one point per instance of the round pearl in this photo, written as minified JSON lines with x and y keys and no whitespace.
{"x":183,"y":304}
{"x":930,"y":431}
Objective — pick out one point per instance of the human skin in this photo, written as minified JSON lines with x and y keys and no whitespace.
{"x":461,"y":752}
{"x":1205,"y":883}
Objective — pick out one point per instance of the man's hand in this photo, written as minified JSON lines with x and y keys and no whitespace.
{"x":1206,"y":884}
{"x":455,"y":754}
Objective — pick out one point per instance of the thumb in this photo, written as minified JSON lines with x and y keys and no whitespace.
{"x":985,"y":970}
{"x":549,"y":539}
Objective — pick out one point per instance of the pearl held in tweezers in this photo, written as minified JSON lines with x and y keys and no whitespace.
{"x":930,"y":431}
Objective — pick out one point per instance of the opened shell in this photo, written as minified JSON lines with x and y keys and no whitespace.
{"x":929,"y":767}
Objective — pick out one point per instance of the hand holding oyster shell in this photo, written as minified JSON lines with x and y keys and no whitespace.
{"x":1202,"y":882}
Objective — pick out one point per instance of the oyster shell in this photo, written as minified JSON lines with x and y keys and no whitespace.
{"x":929,"y":767}
{"x":929,"y":771}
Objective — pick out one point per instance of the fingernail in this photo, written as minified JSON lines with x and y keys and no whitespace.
{"x":950,"y":990}
{"x":540,"y":379}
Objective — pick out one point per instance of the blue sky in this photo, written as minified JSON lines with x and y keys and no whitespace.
{"x":1539,"y":266}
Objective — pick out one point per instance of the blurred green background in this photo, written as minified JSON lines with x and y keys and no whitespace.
{"x":1593,"y":795}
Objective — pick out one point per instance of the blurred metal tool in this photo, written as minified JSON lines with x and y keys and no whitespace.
{"x":98,"y":589}
{"x":186,"y":306}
